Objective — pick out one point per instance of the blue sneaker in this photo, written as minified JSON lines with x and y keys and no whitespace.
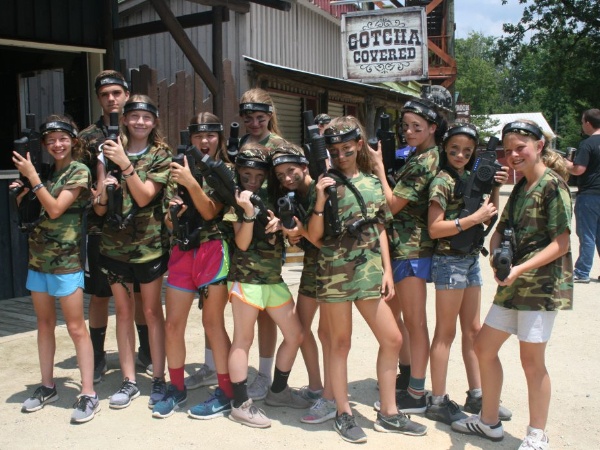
{"x":159,"y":390}
{"x":173,"y":399}
{"x":217,"y":405}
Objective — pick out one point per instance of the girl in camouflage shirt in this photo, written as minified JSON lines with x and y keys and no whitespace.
{"x":354,"y":268}
{"x":138,"y":246}
{"x":456,"y":273}
{"x":540,"y":281}
{"x":55,"y":265}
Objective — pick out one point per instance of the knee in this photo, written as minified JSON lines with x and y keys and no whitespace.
{"x":445,"y":335}
{"x":77,"y":330}
{"x":482,"y":350}
{"x":533,"y":367}
{"x":323,"y":334}
{"x":469,"y":334}
{"x":341,"y":345}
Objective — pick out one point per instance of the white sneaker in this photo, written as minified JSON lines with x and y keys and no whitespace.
{"x":536,"y":439}
{"x":204,"y":376}
{"x":260,"y":387}
{"x":474,"y":425}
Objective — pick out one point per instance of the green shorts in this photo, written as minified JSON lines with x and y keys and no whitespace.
{"x":260,"y":296}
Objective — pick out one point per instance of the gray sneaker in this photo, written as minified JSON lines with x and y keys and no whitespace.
{"x":122,"y":398}
{"x":260,"y":387}
{"x":308,"y":394}
{"x":288,"y":397}
{"x":446,"y":412}
{"x":473,"y":406}
{"x":346,"y":426}
{"x":248,"y":414}
{"x":86,"y":408}
{"x":159,"y":390}
{"x":321,"y":411}
{"x":204,"y":376}
{"x":399,"y":423}
{"x":42,"y":396}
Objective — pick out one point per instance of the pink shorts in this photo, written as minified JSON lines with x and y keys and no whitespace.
{"x":193,"y":269}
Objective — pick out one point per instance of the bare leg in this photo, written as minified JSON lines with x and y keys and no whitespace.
{"x":124,"y":306}
{"x":213,"y":319}
{"x":244,"y":318}
{"x":155,"y":319}
{"x":471,"y":325}
{"x":45,"y":311}
{"x":533,"y":360}
{"x":306,"y":309}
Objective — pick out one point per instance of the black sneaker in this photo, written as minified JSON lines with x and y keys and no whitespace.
{"x":42,"y":396}
{"x":346,"y":427}
{"x":409,"y":405}
{"x":473,"y":406}
{"x":144,"y":361}
{"x":399,"y":423}
{"x":446,"y":412}
{"x":99,"y":367}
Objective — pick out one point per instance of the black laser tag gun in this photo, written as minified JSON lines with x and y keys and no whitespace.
{"x":502,"y":257}
{"x":388,"y":147}
{"x":287,"y":208}
{"x":222,"y":181}
{"x":186,"y":229}
{"x":479,"y":184}
{"x":114,"y":209}
{"x":29,"y":209}
{"x":233,"y":141}
{"x":311,"y":130}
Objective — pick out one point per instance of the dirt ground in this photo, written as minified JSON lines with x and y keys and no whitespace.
{"x":570,"y":360}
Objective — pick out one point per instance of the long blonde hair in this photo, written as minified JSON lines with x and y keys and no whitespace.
{"x":257,"y":95}
{"x":156,"y":138}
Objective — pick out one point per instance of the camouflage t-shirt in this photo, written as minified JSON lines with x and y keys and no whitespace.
{"x":91,"y":138}
{"x":55,"y":244}
{"x":261,"y":263}
{"x":350,"y":266}
{"x":540,"y":215}
{"x":145,"y":237}
{"x":410,"y":238}
{"x":442,"y":191}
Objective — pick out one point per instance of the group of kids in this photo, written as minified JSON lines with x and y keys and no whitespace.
{"x":392,"y":241}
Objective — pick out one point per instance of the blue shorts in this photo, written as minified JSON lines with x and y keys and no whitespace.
{"x":57,"y":285}
{"x":455,"y":271}
{"x":418,"y":267}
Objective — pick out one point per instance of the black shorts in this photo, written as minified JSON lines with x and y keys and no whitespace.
{"x":96,"y":282}
{"x":125,"y":272}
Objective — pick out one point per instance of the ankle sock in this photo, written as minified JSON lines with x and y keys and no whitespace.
{"x":98,"y":336}
{"x":225,"y":384}
{"x":176,"y":377}
{"x":265,"y":366}
{"x":280,"y":381}
{"x":142,"y":331}
{"x":240,"y":392}
{"x":209,"y":360}
{"x":475,"y":393}
{"x":416,"y":387}
{"x":404,"y":377}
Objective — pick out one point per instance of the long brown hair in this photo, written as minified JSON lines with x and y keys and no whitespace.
{"x":363,"y":160}
{"x":156,"y":137}
{"x":78,"y":151}
{"x":207,"y":117}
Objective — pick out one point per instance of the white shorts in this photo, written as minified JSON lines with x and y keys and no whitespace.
{"x":529,"y":326}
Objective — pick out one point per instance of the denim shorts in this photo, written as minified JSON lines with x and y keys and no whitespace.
{"x":455,"y":271}
{"x":418,"y":267}
{"x":57,"y":285}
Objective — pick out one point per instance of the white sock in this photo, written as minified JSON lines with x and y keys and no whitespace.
{"x":265,"y":366}
{"x":437,"y":399}
{"x":475,"y":393}
{"x":208,"y":358}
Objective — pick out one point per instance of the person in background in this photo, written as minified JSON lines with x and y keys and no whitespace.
{"x":586,"y":166}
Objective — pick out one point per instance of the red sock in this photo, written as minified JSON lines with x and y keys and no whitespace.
{"x":225,"y":384}
{"x":176,"y":376}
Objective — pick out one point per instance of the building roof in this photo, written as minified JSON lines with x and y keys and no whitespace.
{"x":503,"y":119}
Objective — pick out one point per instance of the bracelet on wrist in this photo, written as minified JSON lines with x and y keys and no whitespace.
{"x":318,"y":213}
{"x":457,"y":223}
{"x":249,"y":219}
{"x":129,"y":175}
{"x":37,"y":187}
{"x":123,"y":170}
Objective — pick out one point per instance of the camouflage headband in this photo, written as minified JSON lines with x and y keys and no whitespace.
{"x":252,"y":158}
{"x":255,"y":107}
{"x":205,"y":127}
{"x":322,"y":119}
{"x":140,"y":106}
{"x":334,"y":135}
{"x":57,"y":125}
{"x":416,"y":107}
{"x":523,"y":128}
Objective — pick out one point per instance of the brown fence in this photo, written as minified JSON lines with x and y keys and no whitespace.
{"x":179,"y":101}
